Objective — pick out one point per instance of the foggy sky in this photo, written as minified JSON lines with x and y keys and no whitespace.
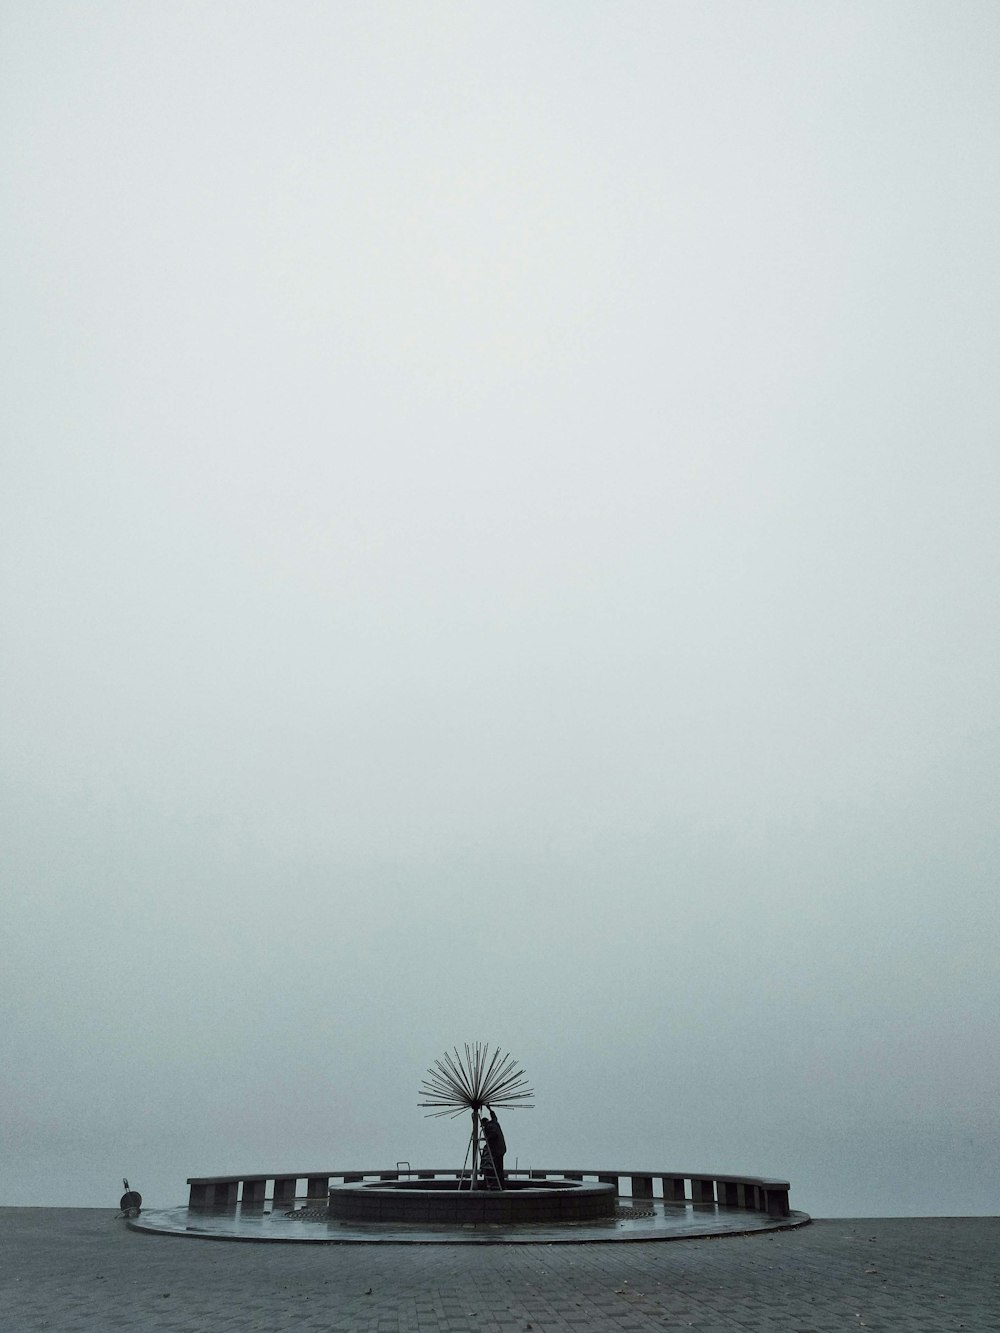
{"x":499,"y":535}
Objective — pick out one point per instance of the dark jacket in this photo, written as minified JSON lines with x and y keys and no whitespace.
{"x":494,"y":1137}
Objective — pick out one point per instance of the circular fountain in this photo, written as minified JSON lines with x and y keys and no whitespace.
{"x":482,"y":1203}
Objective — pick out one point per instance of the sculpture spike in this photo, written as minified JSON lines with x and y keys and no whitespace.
{"x":479,"y":1074}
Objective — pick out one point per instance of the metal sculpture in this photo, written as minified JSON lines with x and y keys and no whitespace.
{"x":455,"y":1084}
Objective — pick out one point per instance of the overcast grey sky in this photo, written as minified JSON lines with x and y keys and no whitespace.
{"x":499,"y":537}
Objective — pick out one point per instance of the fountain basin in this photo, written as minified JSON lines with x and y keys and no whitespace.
{"x":451,"y":1201}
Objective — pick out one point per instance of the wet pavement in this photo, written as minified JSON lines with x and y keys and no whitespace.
{"x":644,"y":1220}
{"x":83,"y":1271}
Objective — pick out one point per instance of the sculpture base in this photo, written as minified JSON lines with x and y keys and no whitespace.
{"x":452,"y":1202}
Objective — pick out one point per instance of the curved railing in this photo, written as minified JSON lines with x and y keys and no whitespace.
{"x":756,"y":1193}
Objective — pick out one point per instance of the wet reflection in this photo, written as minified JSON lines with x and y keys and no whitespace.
{"x":637,"y":1219}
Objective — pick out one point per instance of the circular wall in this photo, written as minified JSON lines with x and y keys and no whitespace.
{"x":442,"y":1201}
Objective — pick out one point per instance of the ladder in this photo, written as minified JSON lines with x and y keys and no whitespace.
{"x":491,"y":1178}
{"x":482,"y":1155}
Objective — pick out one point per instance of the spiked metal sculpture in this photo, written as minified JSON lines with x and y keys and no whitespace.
{"x":455,"y":1084}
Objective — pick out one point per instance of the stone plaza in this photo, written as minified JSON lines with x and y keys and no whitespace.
{"x":83,"y":1271}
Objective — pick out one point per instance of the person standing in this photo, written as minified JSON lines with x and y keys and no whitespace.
{"x":496,"y":1147}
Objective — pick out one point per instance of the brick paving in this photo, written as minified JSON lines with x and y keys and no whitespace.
{"x":83,"y":1271}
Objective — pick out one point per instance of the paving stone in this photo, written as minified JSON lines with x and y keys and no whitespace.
{"x":81,"y":1271}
